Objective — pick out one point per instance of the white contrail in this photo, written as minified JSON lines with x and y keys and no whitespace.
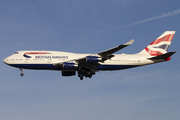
{"x":146,"y":20}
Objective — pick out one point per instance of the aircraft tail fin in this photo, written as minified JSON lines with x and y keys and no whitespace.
{"x":160,"y":45}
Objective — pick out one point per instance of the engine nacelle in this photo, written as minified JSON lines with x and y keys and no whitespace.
{"x":93,"y":59}
{"x":68,"y":73}
{"x":70,"y":66}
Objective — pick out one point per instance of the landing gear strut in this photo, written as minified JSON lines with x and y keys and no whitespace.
{"x":21,"y":74}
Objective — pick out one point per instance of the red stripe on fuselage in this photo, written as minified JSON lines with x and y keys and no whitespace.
{"x":36,"y":53}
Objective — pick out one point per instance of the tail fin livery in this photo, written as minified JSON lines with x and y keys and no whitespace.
{"x":160,"y":45}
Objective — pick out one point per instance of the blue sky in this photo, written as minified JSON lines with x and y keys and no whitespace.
{"x":89,"y":26}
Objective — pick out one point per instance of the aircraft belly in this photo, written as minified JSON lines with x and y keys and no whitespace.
{"x":119,"y":64}
{"x":36,"y":66}
{"x":115,"y":67}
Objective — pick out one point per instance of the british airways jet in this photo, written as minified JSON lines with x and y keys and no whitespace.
{"x":87,"y":65}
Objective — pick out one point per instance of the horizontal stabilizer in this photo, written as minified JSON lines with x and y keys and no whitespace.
{"x":163,"y":56}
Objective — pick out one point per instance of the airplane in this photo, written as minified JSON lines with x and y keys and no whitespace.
{"x":87,"y":65}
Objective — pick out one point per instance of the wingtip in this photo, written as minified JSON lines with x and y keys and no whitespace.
{"x":129,"y":42}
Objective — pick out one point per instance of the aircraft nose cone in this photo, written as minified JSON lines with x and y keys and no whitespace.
{"x":5,"y":61}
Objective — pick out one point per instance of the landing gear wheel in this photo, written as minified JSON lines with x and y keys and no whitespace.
{"x":22,"y":74}
{"x":81,"y":75}
{"x":90,"y":76}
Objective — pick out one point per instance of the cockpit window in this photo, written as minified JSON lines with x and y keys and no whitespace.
{"x":16,"y":53}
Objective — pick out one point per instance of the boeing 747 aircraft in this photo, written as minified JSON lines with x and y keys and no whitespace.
{"x":87,"y":65}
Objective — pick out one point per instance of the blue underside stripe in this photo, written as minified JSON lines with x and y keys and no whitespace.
{"x":51,"y":67}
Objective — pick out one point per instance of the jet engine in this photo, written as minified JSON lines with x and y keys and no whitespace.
{"x":70,"y":66}
{"x":68,"y":73}
{"x":93,"y":59}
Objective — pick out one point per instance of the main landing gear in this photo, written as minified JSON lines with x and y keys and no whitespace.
{"x":81,"y":74}
{"x":21,"y":74}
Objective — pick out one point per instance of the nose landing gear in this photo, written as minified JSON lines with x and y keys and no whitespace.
{"x":21,"y":74}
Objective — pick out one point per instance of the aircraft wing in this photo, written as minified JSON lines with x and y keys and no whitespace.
{"x":91,"y":62}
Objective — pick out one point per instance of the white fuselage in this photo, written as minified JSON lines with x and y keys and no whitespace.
{"x":46,"y":59}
